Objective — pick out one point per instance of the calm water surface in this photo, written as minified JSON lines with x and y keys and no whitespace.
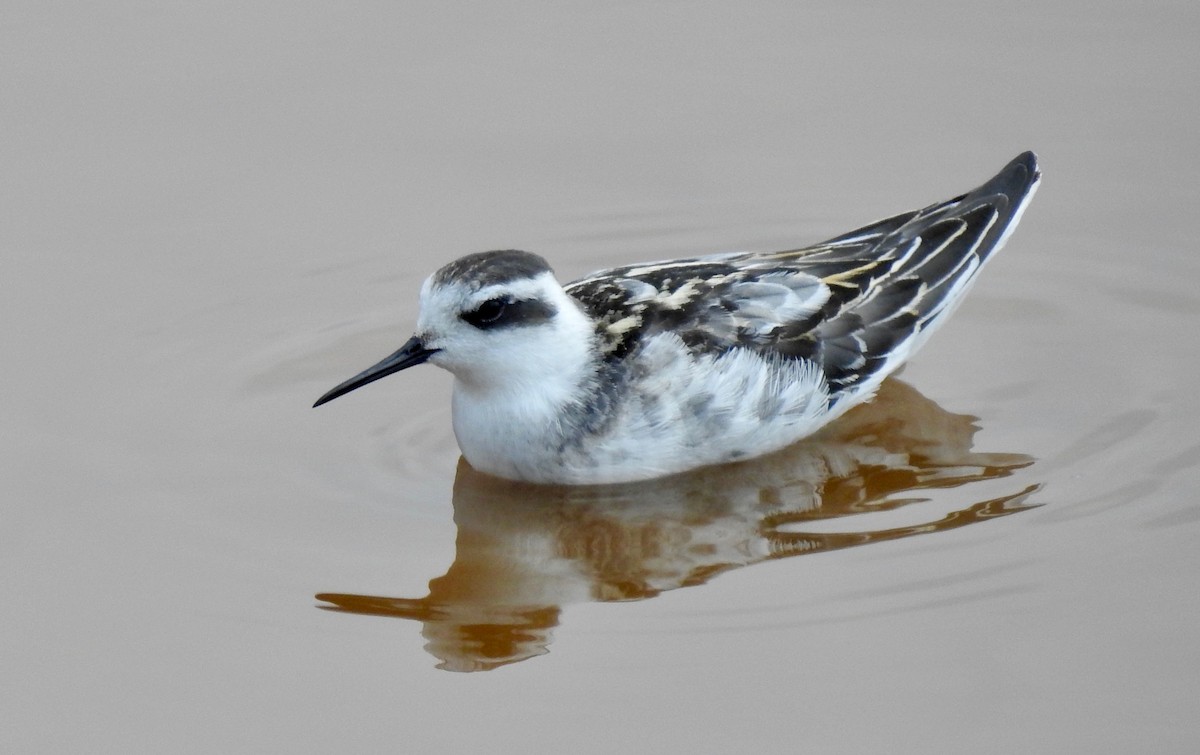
{"x":213,"y":214}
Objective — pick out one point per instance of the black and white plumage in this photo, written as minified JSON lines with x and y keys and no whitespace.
{"x":657,"y":368}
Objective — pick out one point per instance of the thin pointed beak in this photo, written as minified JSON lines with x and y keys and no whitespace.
{"x":410,"y":354}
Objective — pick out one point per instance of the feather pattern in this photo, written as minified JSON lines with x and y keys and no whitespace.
{"x":855,"y":305}
{"x":657,"y":368}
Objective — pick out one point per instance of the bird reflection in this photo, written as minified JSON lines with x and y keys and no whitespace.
{"x":523,"y":551}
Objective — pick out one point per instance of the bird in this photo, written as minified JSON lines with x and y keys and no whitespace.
{"x":654,"y":369}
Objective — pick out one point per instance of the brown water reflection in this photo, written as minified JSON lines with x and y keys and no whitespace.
{"x":524,"y":551}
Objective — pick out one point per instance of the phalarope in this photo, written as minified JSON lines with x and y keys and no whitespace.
{"x":657,"y":368}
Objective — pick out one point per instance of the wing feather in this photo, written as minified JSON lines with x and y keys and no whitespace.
{"x":856,"y":305}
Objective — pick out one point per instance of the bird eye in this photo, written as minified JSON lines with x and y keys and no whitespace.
{"x":487,"y":313}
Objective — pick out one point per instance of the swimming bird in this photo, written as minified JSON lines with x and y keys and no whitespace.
{"x":653,"y":369}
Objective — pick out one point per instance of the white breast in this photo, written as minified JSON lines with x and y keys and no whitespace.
{"x":674,"y":411}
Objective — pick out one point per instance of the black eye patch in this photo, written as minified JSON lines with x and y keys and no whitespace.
{"x":504,"y":311}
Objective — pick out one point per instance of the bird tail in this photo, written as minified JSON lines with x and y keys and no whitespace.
{"x":926,"y":261}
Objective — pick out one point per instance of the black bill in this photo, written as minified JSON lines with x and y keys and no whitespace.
{"x":410,"y":354}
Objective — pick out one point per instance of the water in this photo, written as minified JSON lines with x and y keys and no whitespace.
{"x":213,"y":214}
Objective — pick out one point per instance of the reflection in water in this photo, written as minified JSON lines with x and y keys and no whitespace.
{"x":524,"y":551}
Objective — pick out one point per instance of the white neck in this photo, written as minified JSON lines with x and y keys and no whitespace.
{"x":507,"y":413}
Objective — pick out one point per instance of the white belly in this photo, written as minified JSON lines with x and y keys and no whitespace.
{"x":672,"y":412}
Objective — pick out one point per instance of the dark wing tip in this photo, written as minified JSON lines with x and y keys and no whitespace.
{"x":1015,"y":179}
{"x":1029,"y":159}
{"x":935,"y":249}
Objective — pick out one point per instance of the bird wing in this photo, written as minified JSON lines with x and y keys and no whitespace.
{"x":856,"y":305}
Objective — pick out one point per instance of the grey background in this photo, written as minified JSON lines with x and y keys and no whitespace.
{"x":210,"y":213}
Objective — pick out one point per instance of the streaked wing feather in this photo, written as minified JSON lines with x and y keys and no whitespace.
{"x":850,"y":304}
